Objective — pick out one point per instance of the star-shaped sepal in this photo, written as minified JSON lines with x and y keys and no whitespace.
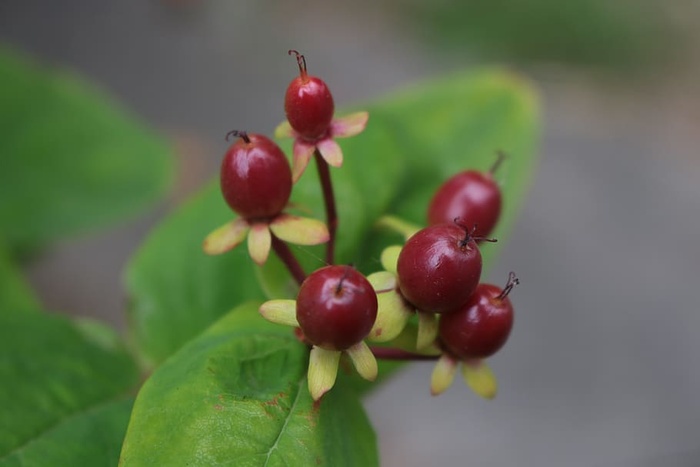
{"x":394,"y":311}
{"x":330,"y":151}
{"x":476,"y":374}
{"x":286,"y":227}
{"x":323,"y":363}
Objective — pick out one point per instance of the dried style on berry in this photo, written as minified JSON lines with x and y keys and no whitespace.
{"x":256,"y":183}
{"x":474,"y":332}
{"x":439,"y":267}
{"x":309,"y":107}
{"x":308,"y":103}
{"x":482,"y":325}
{"x":256,"y":179}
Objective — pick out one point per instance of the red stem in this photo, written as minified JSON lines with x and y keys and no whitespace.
{"x":324,"y":175}
{"x":388,"y":353}
{"x":289,"y":260}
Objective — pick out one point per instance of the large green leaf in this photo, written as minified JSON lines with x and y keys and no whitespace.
{"x":176,"y":290}
{"x":91,"y":437}
{"x":53,"y":376}
{"x":237,"y":395}
{"x":414,"y":141}
{"x":71,"y":158}
{"x":15,"y":293}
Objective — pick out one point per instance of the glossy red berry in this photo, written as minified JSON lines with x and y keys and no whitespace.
{"x":308,"y":103}
{"x":472,"y":196}
{"x":256,"y":179}
{"x":482,"y":326}
{"x":439,"y":267}
{"x":336,"y":307}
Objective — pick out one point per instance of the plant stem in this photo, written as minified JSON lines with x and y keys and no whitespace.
{"x":288,"y":258}
{"x":324,"y":175}
{"x":389,"y":353}
{"x":500,"y":157}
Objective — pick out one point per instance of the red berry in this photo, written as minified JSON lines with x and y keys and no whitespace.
{"x":308,"y":103}
{"x":439,"y":267}
{"x":336,"y":307}
{"x":481,"y":327}
{"x":473,"y":197}
{"x":256,"y":179}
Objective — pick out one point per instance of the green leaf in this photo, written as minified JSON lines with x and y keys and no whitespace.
{"x":50,"y":375}
{"x":275,"y":280}
{"x":414,"y":140}
{"x":177,"y":290}
{"x":91,"y":437}
{"x":15,"y":293}
{"x":361,"y":386}
{"x":238,"y":396}
{"x":71,"y":158}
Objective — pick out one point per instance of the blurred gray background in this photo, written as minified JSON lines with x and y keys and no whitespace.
{"x":603,"y":366}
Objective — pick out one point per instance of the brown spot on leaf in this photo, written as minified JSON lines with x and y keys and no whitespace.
{"x":274,"y":402}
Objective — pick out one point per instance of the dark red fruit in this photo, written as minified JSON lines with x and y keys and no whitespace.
{"x":472,"y":196}
{"x":308,"y":103}
{"x":481,"y":327}
{"x":256,"y":179}
{"x":336,"y":307}
{"x":439,"y":267}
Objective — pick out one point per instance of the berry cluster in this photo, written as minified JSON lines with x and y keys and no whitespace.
{"x":434,"y":277}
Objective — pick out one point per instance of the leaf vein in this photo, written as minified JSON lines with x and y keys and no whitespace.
{"x":66,"y":418}
{"x":286,"y":421}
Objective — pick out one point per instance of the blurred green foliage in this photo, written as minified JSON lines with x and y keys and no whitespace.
{"x":618,"y":35}
{"x":70,"y":160}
